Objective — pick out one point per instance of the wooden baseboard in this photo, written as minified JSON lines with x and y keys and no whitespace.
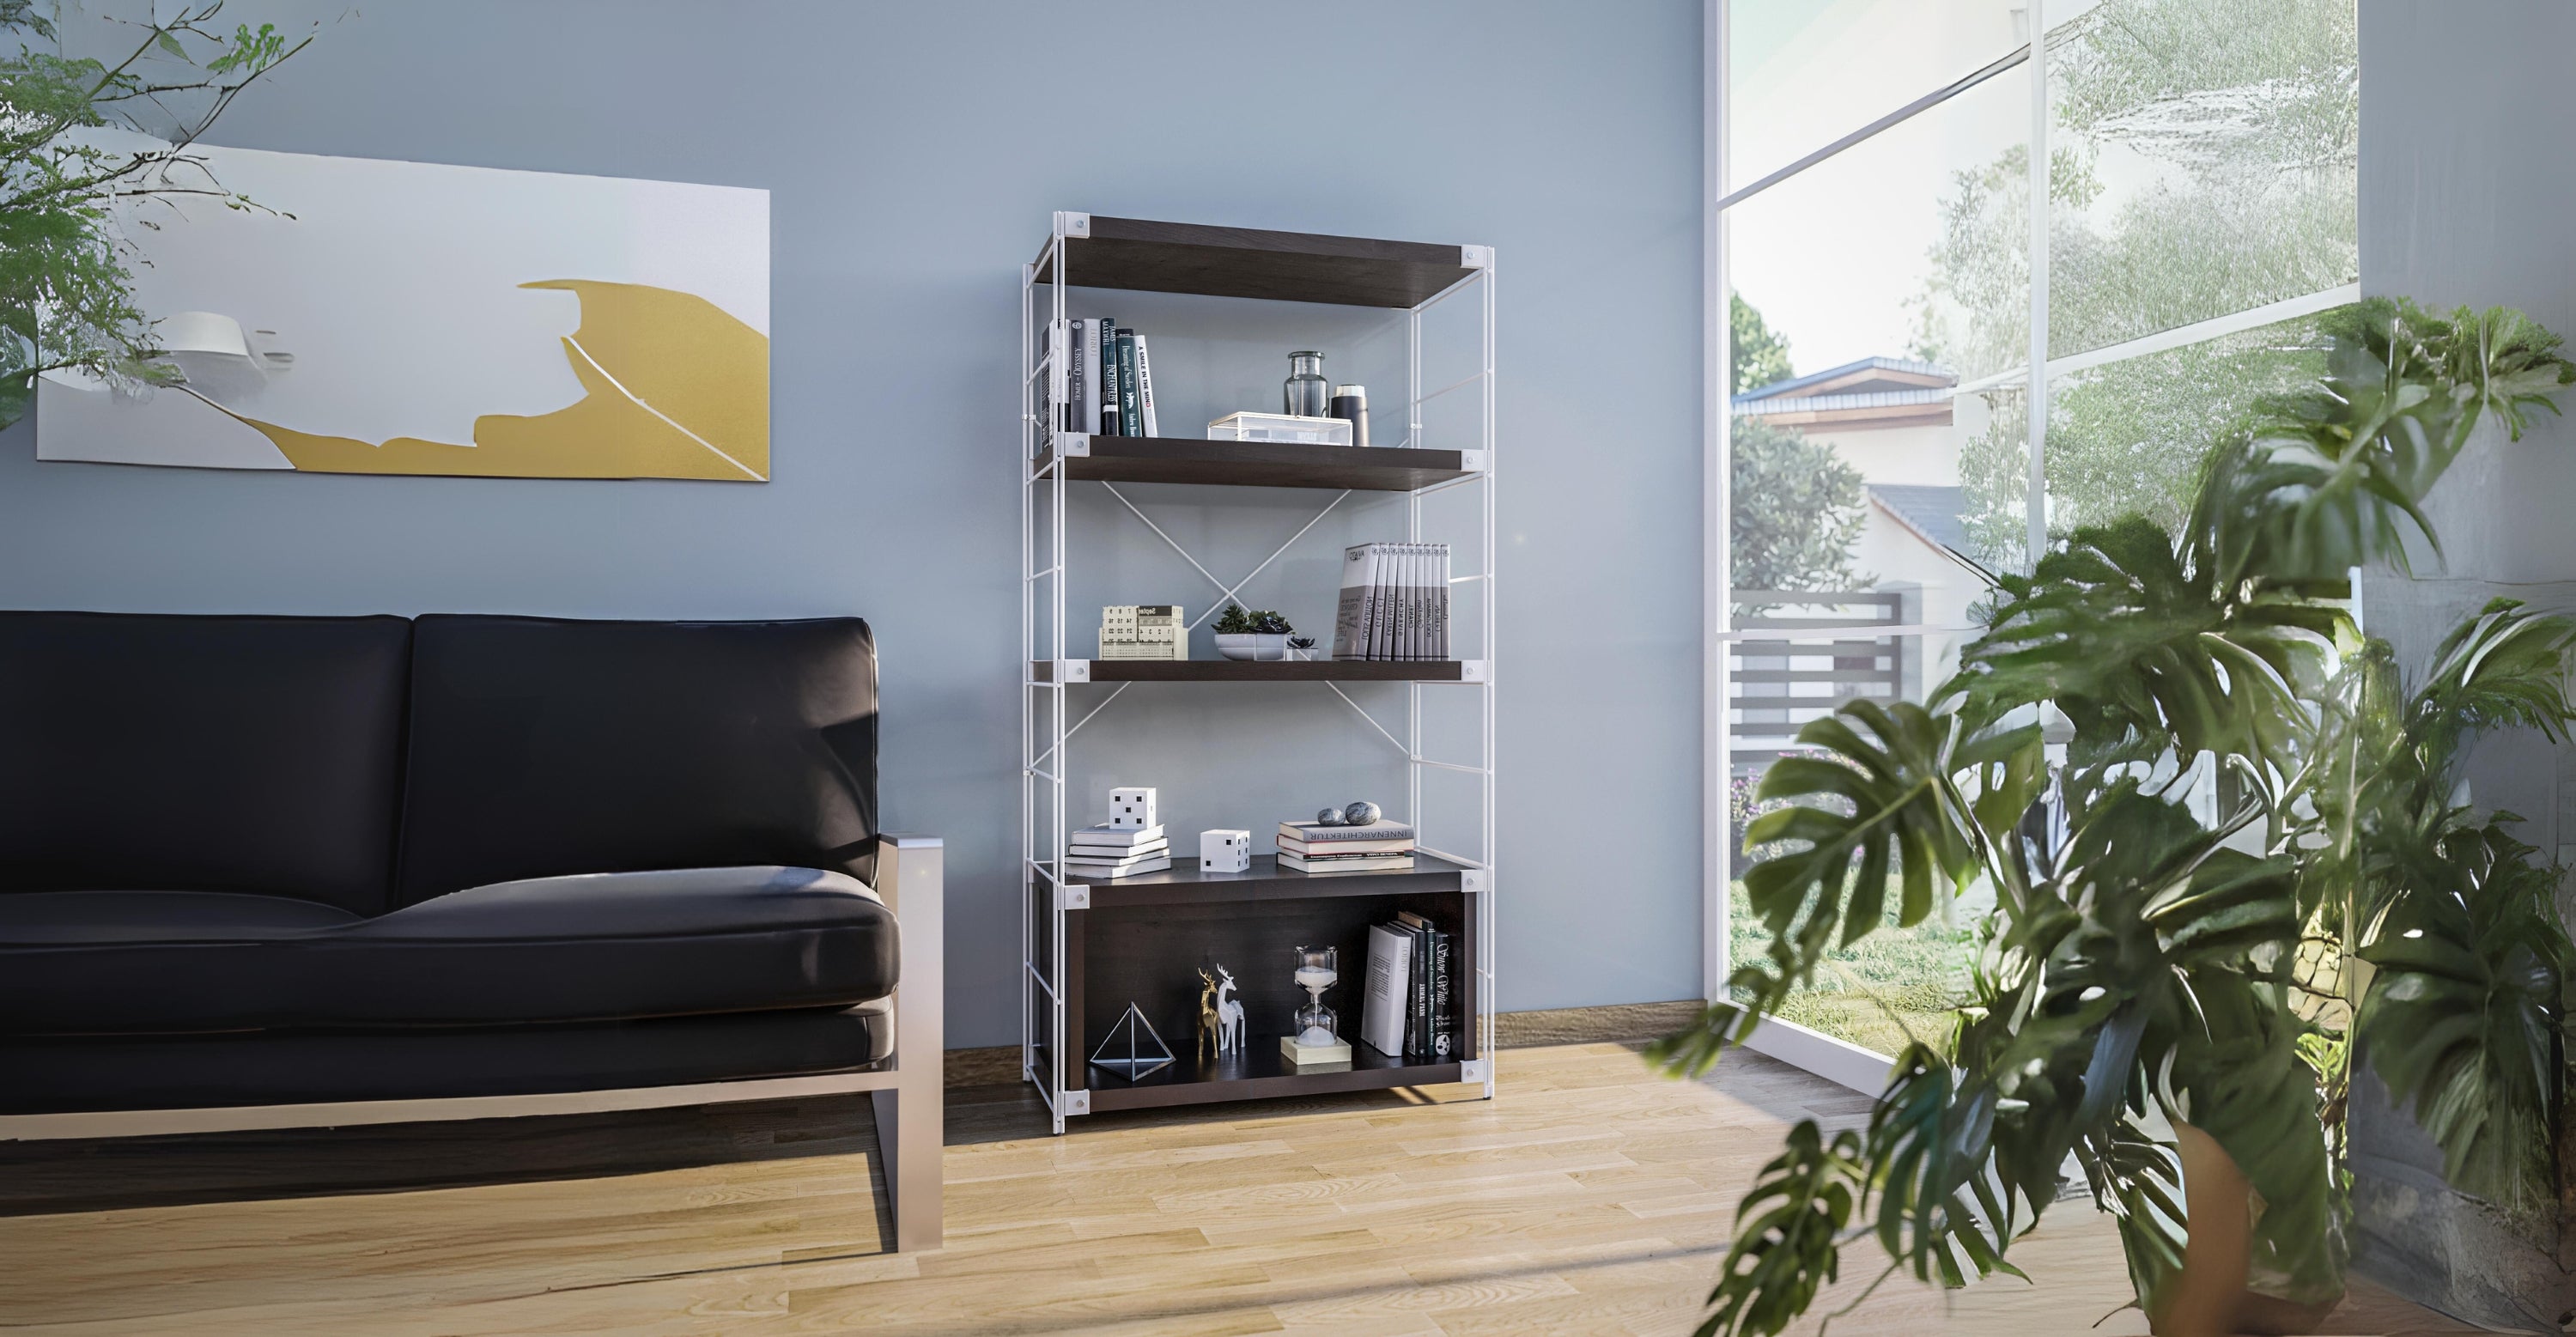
{"x":998,"y":1065}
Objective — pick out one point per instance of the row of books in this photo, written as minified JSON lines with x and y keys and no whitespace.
{"x":1108,"y":380}
{"x":1409,"y":1007}
{"x":1374,"y":847}
{"x":1111,"y":851}
{"x":1395,"y":602}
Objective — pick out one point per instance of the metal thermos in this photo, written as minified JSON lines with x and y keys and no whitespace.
{"x":1350,"y":404}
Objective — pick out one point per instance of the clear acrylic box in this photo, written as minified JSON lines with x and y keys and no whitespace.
{"x":1280,"y":427}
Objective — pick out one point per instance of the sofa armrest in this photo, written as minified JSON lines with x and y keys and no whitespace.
{"x":911,"y":871}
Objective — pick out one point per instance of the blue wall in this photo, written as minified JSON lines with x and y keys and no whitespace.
{"x":913,"y":153}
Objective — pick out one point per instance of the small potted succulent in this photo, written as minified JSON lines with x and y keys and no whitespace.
{"x":1261,"y":636}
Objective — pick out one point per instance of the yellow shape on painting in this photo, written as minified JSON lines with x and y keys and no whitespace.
{"x":676,"y":389}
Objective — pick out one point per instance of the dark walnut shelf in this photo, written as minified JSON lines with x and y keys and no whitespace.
{"x":1244,"y":670}
{"x":1138,"y":253}
{"x":1181,"y":459}
{"x":1184,"y":884}
{"x":1259,"y":1073}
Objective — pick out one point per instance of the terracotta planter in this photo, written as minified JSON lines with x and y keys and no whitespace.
{"x":2210,"y":1299}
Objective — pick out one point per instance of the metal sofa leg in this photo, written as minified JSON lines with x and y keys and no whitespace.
{"x":910,"y":1120}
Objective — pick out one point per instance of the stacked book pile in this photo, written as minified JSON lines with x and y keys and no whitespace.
{"x":1395,"y":602}
{"x":1377,"y":846}
{"x":1109,"y":852}
{"x":1408,"y":1008}
{"x":1107,"y":381}
{"x":1143,"y":631}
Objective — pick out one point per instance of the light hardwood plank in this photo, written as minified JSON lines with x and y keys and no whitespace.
{"x":1592,"y":1197}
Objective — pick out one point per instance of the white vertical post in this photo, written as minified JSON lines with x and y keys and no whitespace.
{"x":1717,"y":388}
{"x":1028,"y":700}
{"x":2039,"y":210}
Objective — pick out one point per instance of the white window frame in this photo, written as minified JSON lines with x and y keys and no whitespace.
{"x":1816,"y":1052}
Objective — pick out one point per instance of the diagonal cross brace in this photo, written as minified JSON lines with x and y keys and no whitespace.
{"x":1227,"y":591}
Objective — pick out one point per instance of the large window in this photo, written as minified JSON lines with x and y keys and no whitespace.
{"x":2197,"y":160}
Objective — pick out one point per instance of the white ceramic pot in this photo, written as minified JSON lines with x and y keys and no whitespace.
{"x":1259,"y":646}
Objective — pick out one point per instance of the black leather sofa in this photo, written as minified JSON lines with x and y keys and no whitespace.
{"x":281,"y":871}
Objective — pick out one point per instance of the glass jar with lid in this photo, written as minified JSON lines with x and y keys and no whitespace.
{"x":1307,"y":394}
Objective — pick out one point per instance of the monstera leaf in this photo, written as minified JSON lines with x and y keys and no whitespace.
{"x":1788,"y":1234}
{"x":2465,"y":1013}
{"x":2146,"y":659}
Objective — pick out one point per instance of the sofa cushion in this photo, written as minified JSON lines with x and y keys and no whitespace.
{"x":601,"y":947}
{"x":543,"y":747}
{"x":240,"y":754}
{"x":51,"y":1075}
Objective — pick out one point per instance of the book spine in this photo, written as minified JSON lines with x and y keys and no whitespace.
{"x":1346,"y":613}
{"x":1145,"y":387}
{"x":1086,"y":378}
{"x":1131,"y":414}
{"x":1417,"y":1031}
{"x":1444,"y":1012}
{"x":1321,"y":835}
{"x":1073,"y":379}
{"x":1110,"y":423}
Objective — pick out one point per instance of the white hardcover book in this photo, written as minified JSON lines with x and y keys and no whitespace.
{"x":1387,"y":604}
{"x":1346,"y":863}
{"x":1383,"y":1001}
{"x":1089,"y":355}
{"x":1350,"y":615}
{"x":1112,"y":872}
{"x":1144,"y":386}
{"x":1440,"y":605}
{"x":1121,"y":872}
{"x":1413,"y":601}
{"x":1117,"y":837}
{"x":1098,"y":859}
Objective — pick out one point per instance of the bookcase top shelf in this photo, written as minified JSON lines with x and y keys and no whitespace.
{"x":1137,"y":253}
{"x":1245,"y":670}
{"x":1181,"y":459}
{"x":1184,"y":884}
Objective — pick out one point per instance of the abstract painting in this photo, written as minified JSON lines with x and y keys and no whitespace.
{"x":383,"y":317}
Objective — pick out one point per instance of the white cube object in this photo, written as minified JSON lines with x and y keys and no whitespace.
{"x":1225,"y":851}
{"x":1132,"y":807}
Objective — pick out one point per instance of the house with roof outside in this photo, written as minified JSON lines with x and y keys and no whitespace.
{"x":1898,"y":423}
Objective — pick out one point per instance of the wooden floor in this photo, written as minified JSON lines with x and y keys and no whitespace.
{"x":1589,"y":1198}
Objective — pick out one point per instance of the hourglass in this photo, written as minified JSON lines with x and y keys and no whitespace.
{"x":1317,"y":1041}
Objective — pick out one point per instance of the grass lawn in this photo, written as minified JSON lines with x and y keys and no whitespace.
{"x":1873,"y":993}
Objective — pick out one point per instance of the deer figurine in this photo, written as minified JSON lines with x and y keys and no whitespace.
{"x":1211,"y":1040}
{"x":1229,"y":1016}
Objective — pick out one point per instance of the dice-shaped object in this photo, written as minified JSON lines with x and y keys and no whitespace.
{"x":1225,"y":851}
{"x":1132,"y":808}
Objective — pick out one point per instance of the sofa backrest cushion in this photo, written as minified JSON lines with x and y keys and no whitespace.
{"x":141,"y":752}
{"x":543,"y":747}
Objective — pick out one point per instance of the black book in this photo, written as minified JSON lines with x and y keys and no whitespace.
{"x":1110,"y":423}
{"x":1131,"y":413}
{"x":1444,"y":1012}
{"x":1417,"y":1025}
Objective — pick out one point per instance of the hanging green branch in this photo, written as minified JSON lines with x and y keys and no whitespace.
{"x":84,"y":141}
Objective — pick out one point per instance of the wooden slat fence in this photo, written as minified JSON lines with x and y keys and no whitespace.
{"x":1784,"y":682}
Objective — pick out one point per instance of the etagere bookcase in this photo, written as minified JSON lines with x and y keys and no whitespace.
{"x":1088,"y":948}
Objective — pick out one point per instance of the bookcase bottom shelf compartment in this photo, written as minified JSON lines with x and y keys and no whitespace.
{"x":1149,"y":955}
{"x":1261,"y":1073}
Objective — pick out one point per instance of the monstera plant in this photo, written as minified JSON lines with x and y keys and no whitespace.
{"x":2252,"y":857}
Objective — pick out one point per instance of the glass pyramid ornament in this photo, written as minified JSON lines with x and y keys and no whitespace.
{"x":1133,"y":1048}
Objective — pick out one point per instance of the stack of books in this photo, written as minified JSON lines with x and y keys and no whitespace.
{"x":1143,"y":631}
{"x":1408,"y":1008}
{"x":1111,"y":852}
{"x":1108,"y":380}
{"x":1377,"y":847}
{"x":1395,"y":602}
